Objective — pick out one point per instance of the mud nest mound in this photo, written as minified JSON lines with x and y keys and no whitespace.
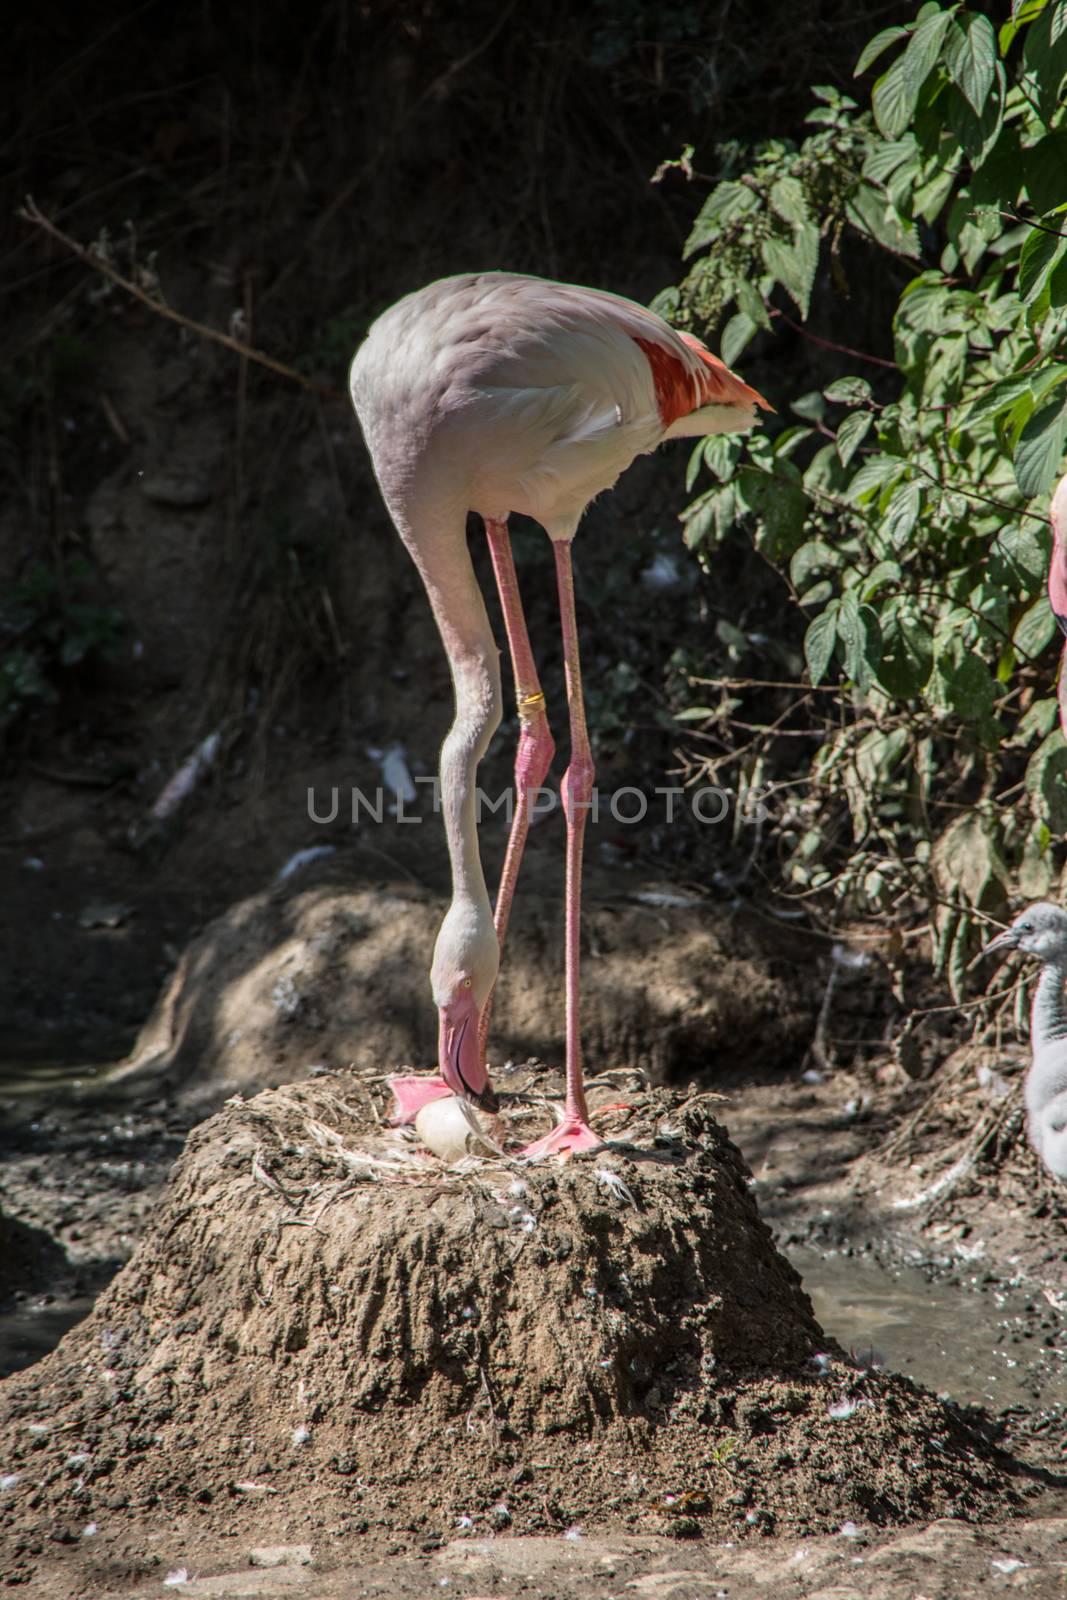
{"x":322,"y":1314}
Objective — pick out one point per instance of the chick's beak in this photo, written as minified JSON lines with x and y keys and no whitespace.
{"x":459,"y":1054}
{"x":1003,"y":941}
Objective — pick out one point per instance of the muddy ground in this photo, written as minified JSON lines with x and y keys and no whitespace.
{"x":83,"y":1184}
{"x":291,"y":1472}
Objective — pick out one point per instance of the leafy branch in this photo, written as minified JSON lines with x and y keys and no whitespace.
{"x":910,"y":511}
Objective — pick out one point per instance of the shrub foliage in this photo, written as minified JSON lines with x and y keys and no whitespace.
{"x":907,"y":501}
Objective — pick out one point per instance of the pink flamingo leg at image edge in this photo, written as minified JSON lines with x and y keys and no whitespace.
{"x":573,"y":1133}
{"x":1057,"y":587}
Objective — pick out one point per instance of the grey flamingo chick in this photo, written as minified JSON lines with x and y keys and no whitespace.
{"x":1041,"y":931}
{"x":495,"y":393}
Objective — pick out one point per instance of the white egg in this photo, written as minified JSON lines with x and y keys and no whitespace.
{"x":453,"y":1129}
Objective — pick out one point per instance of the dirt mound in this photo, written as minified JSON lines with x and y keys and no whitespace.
{"x":283,"y":981}
{"x":326,"y":1320}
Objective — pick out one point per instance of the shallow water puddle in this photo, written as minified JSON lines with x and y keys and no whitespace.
{"x":992,"y":1347}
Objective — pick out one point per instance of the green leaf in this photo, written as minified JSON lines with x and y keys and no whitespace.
{"x":978,"y":131}
{"x":789,"y":202}
{"x":1040,"y":254}
{"x":892,"y":101}
{"x":726,"y":203}
{"x":810,"y":406}
{"x":997,"y":398}
{"x":886,"y":155}
{"x":1046,"y":781}
{"x":722,"y":452}
{"x":881,"y":573}
{"x":794,"y":264}
{"x":1038,"y":455}
{"x":750,"y":301}
{"x":1019,"y":555}
{"x":907,"y":649}
{"x":696,"y":461}
{"x":1035,"y":627}
{"x":780,"y":507}
{"x":967,"y":862}
{"x":859,"y":632}
{"x":1022,"y":12}
{"x":872,"y":476}
{"x":970,"y":56}
{"x":922,"y":51}
{"x":811,"y":557}
{"x":930,"y":196}
{"x":710,"y":516}
{"x":737,"y":333}
{"x":819,"y":641}
{"x":972,"y":692}
{"x":851,"y":433}
{"x":901,"y":514}
{"x":849,"y":391}
{"x":874,"y":48}
{"x":872,"y":214}
{"x":1045,"y":56}
{"x":1035,"y":723}
{"x":1046,"y":172}
{"x":999,"y":181}
{"x":1057,"y":286}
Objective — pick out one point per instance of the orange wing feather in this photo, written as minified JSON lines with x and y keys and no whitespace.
{"x":679,"y":391}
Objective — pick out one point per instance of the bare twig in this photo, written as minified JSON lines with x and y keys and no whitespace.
{"x":828,"y":344}
{"x":1028,"y":222}
{"x":973,"y":494}
{"x":765,"y":683}
{"x":30,"y":212}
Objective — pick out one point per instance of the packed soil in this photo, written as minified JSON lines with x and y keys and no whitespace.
{"x":321,"y":1314}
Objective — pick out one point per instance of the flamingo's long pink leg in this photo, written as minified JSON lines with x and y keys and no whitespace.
{"x":536,"y":746}
{"x":574,"y":1132}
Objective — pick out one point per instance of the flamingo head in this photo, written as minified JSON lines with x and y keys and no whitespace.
{"x":465,"y":963}
{"x":1040,"y":930}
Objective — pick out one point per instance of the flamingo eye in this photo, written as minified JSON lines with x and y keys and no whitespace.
{"x":466,"y":983}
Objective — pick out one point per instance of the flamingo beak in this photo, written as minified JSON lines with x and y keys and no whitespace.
{"x":458,"y":1052}
{"x":1003,"y":941}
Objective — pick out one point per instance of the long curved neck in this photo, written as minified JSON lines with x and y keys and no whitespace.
{"x":1048,"y":1018}
{"x":462,"y":750}
{"x":441,"y":555}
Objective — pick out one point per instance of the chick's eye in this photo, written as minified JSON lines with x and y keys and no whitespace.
{"x":1026,"y":927}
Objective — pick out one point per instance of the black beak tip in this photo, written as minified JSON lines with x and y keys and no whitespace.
{"x":487,"y":1100}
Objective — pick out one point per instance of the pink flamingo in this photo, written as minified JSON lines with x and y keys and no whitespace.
{"x":496,"y":393}
{"x":1057,"y":585}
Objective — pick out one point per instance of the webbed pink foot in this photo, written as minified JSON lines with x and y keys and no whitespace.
{"x":411,"y":1094}
{"x":568,"y":1137}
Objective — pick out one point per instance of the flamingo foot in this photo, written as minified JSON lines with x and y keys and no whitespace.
{"x":411,"y":1094}
{"x":568,"y":1137}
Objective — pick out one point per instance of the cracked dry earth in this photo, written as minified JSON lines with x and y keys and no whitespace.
{"x":327,"y":1338}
